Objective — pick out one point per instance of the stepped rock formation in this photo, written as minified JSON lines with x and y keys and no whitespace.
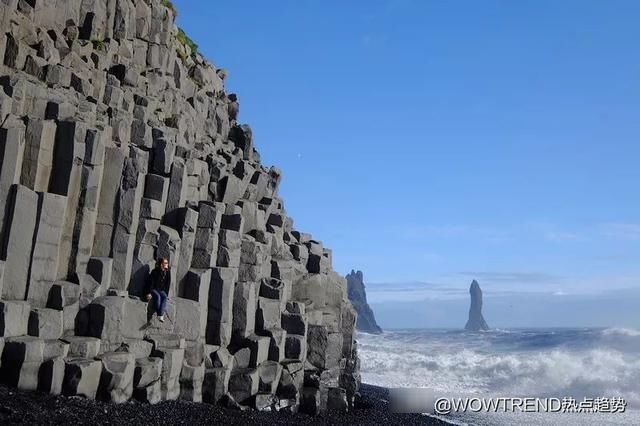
{"x":476,"y":321}
{"x":119,"y":144}
{"x":355,"y":287}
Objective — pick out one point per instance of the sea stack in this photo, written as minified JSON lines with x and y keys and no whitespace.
{"x":366,"y":320}
{"x":476,"y":321}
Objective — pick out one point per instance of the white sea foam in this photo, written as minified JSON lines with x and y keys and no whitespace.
{"x":463,"y":364}
{"x":630,"y":332}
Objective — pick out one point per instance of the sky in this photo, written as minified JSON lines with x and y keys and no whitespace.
{"x":429,"y":143}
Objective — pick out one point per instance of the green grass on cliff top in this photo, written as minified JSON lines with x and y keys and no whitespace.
{"x":168,"y":4}
{"x":182,"y":37}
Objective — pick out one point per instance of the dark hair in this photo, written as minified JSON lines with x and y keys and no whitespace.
{"x":160,"y":261}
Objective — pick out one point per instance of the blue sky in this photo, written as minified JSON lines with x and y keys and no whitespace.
{"x":429,"y":143}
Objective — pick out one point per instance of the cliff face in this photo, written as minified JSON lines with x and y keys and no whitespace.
{"x":118,"y":145}
{"x":355,"y":287}
{"x":476,"y":321}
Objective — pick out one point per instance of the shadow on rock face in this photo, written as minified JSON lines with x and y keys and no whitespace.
{"x":12,"y":358}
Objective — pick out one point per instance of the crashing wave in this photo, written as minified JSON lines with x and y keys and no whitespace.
{"x":621,"y":331}
{"x":455,"y":366}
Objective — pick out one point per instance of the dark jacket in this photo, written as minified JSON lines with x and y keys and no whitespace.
{"x":159,"y":281}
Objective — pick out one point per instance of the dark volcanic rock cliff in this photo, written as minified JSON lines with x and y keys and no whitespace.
{"x":476,"y":321}
{"x":358,"y":296}
{"x":118,"y":145}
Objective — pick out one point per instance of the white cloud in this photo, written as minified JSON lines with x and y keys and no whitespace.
{"x":512,"y":277}
{"x":373,"y":39}
{"x":561,"y":236}
{"x":553,"y":233}
{"x":621,"y":231}
{"x":499,"y":284}
{"x":455,"y":231}
{"x":495,"y":234}
{"x":432,"y":257}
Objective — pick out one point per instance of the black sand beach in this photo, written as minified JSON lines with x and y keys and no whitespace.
{"x":36,"y":408}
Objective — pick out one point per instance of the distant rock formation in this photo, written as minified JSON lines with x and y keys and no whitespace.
{"x":476,"y":321}
{"x":366,"y":320}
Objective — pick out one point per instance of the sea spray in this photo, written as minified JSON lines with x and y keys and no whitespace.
{"x":543,"y":363}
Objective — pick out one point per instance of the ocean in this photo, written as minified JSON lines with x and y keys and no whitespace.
{"x":551,"y":363}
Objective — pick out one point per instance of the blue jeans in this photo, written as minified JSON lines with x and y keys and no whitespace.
{"x":159,"y":301}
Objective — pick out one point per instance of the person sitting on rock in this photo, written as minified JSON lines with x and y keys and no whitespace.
{"x":158,"y":284}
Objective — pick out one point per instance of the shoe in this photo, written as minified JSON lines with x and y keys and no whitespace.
{"x":161,"y":318}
